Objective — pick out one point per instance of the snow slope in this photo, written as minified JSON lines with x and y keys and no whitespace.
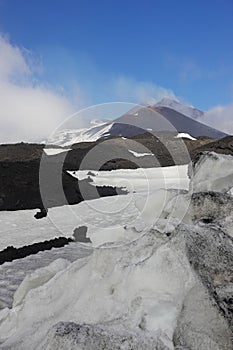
{"x":141,"y":119}
{"x":69,"y":137}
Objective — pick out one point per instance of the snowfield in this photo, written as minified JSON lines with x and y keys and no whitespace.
{"x":20,"y":228}
{"x":139,"y":180}
{"x":70,"y":137}
{"x":159,"y":275}
{"x":53,"y":151}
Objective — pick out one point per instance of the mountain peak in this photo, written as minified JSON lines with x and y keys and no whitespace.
{"x":180,"y":107}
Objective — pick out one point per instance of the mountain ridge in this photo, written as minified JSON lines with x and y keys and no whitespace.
{"x":139,"y":120}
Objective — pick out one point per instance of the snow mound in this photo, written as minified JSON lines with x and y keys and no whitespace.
{"x":38,"y":278}
{"x":140,"y":285}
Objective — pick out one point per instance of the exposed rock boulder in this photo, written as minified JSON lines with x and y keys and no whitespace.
{"x":69,"y":335}
{"x":211,"y":172}
{"x":200,"y":326}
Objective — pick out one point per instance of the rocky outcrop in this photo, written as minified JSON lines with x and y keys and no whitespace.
{"x":200,"y":326}
{"x":69,"y":335}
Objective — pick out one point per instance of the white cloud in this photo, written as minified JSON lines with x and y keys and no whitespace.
{"x":220,"y":117}
{"x":28,"y":111}
{"x":12,"y":61}
{"x":31,"y":111}
{"x":130,"y":90}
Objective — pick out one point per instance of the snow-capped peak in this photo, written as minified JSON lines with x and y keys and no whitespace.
{"x":177,"y":105}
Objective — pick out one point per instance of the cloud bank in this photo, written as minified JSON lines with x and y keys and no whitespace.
{"x":28,"y":110}
{"x":31,"y":109}
{"x":220,"y":117}
{"x":127,"y":89}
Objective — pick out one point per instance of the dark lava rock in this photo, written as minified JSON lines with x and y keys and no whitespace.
{"x":41,"y":214}
{"x":11,"y":253}
{"x":209,"y":250}
{"x":80,"y":235}
{"x":222,"y":146}
{"x":70,"y":335}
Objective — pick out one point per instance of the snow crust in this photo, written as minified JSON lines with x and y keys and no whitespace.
{"x":138,"y":287}
{"x":139,"y":180}
{"x":20,"y":228}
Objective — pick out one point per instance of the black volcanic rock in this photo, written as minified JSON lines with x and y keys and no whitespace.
{"x":20,"y":164}
{"x":11,"y":253}
{"x":187,"y":125}
{"x":160,"y":119}
{"x":223,"y":146}
{"x":20,"y":183}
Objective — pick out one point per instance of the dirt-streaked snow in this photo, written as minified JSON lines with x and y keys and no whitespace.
{"x":131,"y":291}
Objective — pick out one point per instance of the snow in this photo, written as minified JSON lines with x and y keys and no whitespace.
{"x":117,"y":234}
{"x":185,"y":135}
{"x":136,"y":154}
{"x":38,"y":278}
{"x":13,"y":273}
{"x":19,"y":228}
{"x":139,"y":180}
{"x":53,"y":151}
{"x":136,"y":281}
{"x":138,"y":289}
{"x":69,"y":137}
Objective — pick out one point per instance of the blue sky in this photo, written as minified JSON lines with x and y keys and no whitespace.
{"x":185,"y":46}
{"x":59,"y":57}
